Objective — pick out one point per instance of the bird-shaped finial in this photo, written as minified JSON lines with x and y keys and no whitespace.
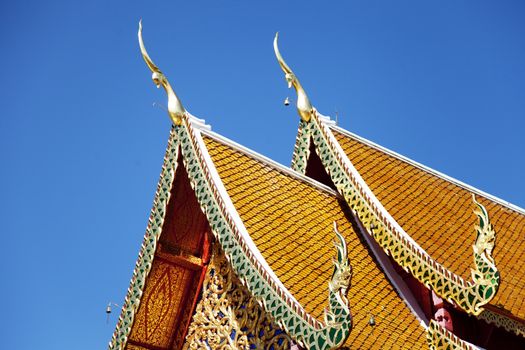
{"x":304,"y":107}
{"x":175,"y":109}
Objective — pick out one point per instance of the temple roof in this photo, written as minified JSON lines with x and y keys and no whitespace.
{"x":437,"y":212}
{"x":290,"y":219}
{"x":276,"y":228}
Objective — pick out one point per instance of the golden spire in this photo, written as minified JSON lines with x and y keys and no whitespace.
{"x":304,"y":107}
{"x":175,"y":109}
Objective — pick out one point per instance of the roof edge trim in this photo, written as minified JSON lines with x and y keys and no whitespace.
{"x":423,"y":167}
{"x":468,"y":295}
{"x":270,"y":162}
{"x":148,"y":247}
{"x":439,"y":337}
{"x":230,"y":208}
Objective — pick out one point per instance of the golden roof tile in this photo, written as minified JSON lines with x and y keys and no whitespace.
{"x":437,"y":213}
{"x":290,"y":221}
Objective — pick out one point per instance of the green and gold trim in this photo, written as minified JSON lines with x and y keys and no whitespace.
{"x":301,"y":151}
{"x":148,"y":247}
{"x":439,"y":338}
{"x":468,"y":295}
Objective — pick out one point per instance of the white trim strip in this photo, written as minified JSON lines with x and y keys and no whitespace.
{"x":430,"y":170}
{"x":271,"y":163}
{"x":325,"y":123}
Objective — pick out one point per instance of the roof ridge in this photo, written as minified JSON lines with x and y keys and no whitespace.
{"x":430,"y":170}
{"x":270,"y":162}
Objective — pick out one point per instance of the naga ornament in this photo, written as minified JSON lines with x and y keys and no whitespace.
{"x":339,"y":284}
{"x":486,"y":276}
{"x":304,"y":107}
{"x":175,"y":109}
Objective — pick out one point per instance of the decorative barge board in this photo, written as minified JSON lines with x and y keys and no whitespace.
{"x":436,"y":211}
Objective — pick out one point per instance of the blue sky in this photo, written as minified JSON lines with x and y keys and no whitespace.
{"x":81,"y":145}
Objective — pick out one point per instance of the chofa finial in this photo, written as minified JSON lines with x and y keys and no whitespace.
{"x":304,"y":107}
{"x":175,"y":109}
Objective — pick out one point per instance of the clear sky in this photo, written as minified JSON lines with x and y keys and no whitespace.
{"x":442,"y":82}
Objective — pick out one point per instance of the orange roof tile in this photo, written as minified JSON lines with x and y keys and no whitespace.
{"x":438,"y":214}
{"x":291,"y":222}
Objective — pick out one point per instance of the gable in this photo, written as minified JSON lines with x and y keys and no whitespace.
{"x":170,"y":266}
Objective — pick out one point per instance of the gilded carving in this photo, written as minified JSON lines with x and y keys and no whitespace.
{"x":229,"y":317}
{"x":506,"y":323}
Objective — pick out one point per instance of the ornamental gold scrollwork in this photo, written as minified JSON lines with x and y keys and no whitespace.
{"x":510,"y":325}
{"x":340,"y":281}
{"x":228,"y":317}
